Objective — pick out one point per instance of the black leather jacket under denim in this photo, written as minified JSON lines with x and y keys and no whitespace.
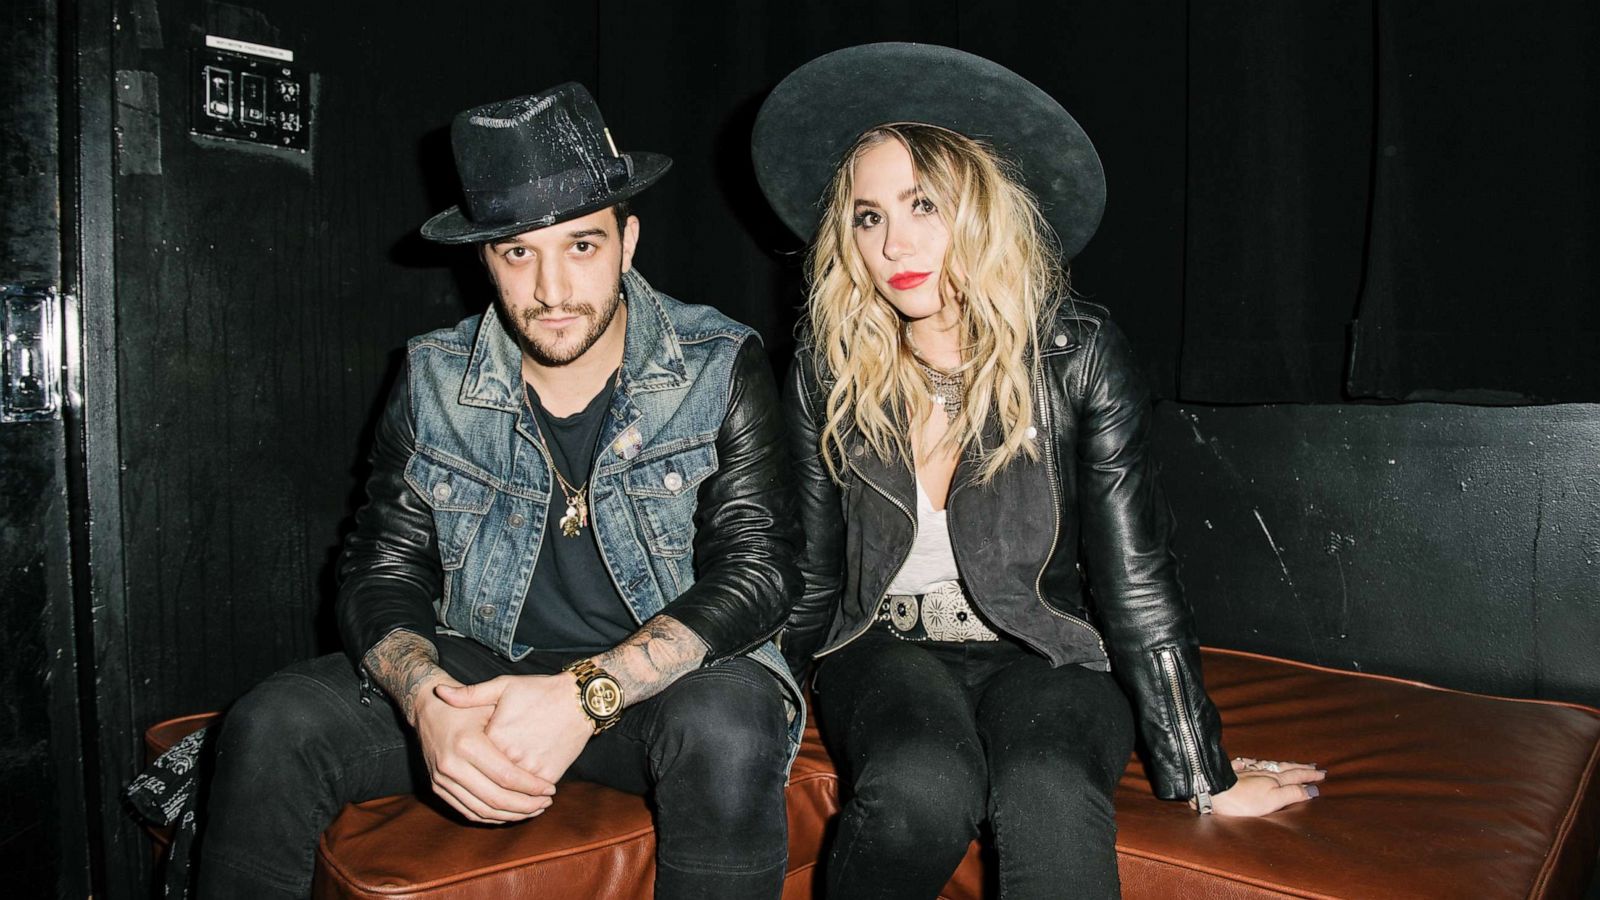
{"x":1089,"y":506}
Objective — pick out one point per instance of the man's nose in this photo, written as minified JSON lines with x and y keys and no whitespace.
{"x":552,"y":287}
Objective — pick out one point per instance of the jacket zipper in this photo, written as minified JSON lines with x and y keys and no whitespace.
{"x":1051,"y":475}
{"x":867,"y":623}
{"x":1186,"y":734}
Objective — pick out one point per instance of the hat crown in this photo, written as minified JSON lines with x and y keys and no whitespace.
{"x":512,"y":142}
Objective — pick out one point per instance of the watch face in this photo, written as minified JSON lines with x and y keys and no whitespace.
{"x":602,"y":696}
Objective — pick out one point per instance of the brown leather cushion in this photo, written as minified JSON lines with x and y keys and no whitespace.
{"x":1431,"y":793}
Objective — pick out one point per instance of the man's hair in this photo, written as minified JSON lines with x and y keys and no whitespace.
{"x":622,"y":210}
{"x":1002,"y":267}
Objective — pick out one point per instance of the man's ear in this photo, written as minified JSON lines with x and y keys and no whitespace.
{"x":630,"y":240}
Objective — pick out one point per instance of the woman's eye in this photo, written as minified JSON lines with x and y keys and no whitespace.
{"x":867,"y":219}
{"x":923,"y":206}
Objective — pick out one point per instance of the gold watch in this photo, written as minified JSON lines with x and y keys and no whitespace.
{"x":598,"y":693}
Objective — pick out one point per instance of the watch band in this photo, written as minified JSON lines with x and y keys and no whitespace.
{"x":599,"y":694}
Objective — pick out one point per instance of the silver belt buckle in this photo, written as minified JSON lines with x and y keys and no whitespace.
{"x":944,"y":614}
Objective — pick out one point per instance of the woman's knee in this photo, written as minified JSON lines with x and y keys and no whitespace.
{"x":930,"y":783}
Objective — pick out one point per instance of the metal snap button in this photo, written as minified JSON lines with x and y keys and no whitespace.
{"x":516,"y":520}
{"x":672,"y":482}
{"x":1032,"y":432}
{"x":442,"y":491}
{"x":858,"y":450}
{"x":1061,"y":340}
{"x":486,"y":610}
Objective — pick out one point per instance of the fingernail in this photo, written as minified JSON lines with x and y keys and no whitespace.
{"x":1312,"y":792}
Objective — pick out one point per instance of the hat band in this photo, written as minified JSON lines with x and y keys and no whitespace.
{"x":548,"y":197}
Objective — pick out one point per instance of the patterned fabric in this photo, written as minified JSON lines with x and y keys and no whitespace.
{"x":166,"y":794}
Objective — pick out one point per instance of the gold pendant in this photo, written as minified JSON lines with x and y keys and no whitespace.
{"x":577,"y":515}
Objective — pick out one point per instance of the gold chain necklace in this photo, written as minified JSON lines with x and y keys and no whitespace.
{"x":577,"y":512}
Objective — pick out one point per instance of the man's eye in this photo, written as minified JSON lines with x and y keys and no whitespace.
{"x":517,"y":253}
{"x":583,"y":246}
{"x":867,"y":219}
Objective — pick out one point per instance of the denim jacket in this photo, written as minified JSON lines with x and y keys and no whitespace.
{"x":689,"y":495}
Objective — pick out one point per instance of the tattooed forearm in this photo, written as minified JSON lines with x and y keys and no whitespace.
{"x":653,"y":657}
{"x":402,"y":663}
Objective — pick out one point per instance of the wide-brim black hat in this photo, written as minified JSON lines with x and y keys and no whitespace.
{"x":815,"y":115}
{"x":535,"y":161}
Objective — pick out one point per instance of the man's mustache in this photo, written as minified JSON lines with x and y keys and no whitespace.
{"x":560,"y":312}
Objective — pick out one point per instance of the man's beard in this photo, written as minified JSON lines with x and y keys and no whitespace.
{"x":552,"y":356}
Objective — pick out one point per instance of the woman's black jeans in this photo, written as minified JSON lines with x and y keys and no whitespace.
{"x":710,"y":750}
{"x":936,"y":738}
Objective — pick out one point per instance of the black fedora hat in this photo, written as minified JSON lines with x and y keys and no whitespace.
{"x":534,"y":161}
{"x":817,"y":112}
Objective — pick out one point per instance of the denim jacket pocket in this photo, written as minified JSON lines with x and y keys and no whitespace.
{"x":460,"y":503}
{"x":664,"y":493}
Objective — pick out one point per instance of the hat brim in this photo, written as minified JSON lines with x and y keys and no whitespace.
{"x":817,"y":112}
{"x":453,"y":227}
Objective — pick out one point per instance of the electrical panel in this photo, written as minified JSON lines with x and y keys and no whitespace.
{"x":245,"y":96}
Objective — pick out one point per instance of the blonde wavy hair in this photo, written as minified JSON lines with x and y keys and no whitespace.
{"x":1002,"y":267}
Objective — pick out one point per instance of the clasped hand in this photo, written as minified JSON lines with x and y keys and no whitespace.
{"x":495,"y":750}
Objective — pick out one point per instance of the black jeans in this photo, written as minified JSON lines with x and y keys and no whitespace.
{"x":709,"y":750}
{"x":936,"y":738}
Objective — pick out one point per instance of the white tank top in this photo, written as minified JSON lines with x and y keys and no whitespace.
{"x":931,"y":562}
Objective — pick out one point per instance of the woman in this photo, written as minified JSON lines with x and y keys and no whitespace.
{"x":972,"y":445}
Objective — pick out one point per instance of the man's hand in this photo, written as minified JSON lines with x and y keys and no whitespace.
{"x":469,"y":771}
{"x":536,"y":721}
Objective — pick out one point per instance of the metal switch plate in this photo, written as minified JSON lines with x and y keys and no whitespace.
{"x":243,"y":97}
{"x":32,"y":365}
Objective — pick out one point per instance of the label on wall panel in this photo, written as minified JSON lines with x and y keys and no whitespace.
{"x":237,"y":46}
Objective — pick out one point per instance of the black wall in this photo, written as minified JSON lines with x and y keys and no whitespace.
{"x":1277,"y":172}
{"x":1458,"y":545}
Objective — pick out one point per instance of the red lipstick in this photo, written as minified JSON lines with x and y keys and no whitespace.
{"x":905,"y":281}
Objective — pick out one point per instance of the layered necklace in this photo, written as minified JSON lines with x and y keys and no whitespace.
{"x":947,"y":390}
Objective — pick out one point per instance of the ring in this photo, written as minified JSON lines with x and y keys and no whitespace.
{"x":1272,"y":767}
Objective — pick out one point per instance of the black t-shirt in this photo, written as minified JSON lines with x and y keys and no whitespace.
{"x":572,"y":604}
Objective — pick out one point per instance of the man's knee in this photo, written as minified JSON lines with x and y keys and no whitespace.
{"x":726,"y":724}
{"x":289,"y":725}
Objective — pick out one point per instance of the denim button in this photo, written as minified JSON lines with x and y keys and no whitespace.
{"x":486,"y":610}
{"x":441,"y":491}
{"x":516,"y":520}
{"x":1061,"y":340}
{"x":673,"y":481}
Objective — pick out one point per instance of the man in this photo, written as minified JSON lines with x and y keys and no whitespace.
{"x":577,"y":542}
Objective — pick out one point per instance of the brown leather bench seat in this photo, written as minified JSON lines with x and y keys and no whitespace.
{"x":1432,"y":793}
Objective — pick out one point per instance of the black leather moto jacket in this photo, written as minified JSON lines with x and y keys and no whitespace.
{"x":1069,"y":553}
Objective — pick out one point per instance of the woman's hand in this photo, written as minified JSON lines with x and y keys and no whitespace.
{"x":1266,"y":786}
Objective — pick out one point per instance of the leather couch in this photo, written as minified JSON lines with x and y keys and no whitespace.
{"x":1431,"y":793}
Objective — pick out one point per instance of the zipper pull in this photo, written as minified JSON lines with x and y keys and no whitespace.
{"x":1202,"y":803}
